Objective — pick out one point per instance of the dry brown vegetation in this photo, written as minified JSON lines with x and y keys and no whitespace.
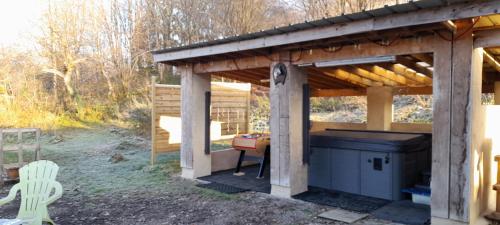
{"x":92,"y":59}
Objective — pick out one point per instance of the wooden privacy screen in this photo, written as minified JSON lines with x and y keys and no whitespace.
{"x":230,"y":114}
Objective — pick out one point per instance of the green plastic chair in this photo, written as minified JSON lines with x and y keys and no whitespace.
{"x":37,"y":181}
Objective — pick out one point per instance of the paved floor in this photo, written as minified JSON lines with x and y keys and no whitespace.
{"x":403,"y":212}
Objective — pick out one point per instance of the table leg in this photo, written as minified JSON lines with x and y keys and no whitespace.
{"x":240,"y":161}
{"x":263,"y":163}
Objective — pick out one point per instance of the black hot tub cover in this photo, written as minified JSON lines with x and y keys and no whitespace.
{"x":379,"y":141}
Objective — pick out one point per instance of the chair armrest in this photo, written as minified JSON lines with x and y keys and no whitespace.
{"x":58,"y":193}
{"x":12,"y":195}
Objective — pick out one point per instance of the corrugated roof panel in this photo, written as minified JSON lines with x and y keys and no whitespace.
{"x":429,"y":3}
{"x":320,"y":23}
{"x":302,"y":26}
{"x":380,"y":12}
{"x":404,"y":8}
{"x":359,"y":16}
{"x":341,"y":19}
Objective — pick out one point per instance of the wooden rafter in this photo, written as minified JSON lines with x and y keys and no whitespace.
{"x":369,"y":75}
{"x":362,"y":91}
{"x":401,"y":80}
{"x":338,"y":92}
{"x":239,"y":78}
{"x":414,"y":66}
{"x":322,"y":81}
{"x":409,"y":74}
{"x":488,"y":58}
{"x":427,"y":58}
{"x":330,"y":79}
{"x":353,"y":78}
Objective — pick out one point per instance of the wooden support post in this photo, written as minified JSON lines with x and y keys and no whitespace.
{"x":497,"y":93}
{"x":20,"y":148}
{"x":153,"y":120}
{"x":1,"y":159}
{"x":379,"y":101}
{"x":288,"y":173}
{"x":194,"y":162}
{"x":461,"y":119}
{"x":38,"y":152}
{"x":248,"y":127}
{"x":440,"y":182}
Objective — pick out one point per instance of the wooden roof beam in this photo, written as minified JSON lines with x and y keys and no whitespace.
{"x":338,"y":92}
{"x":369,"y":75}
{"x":243,"y":73}
{"x":488,"y":58}
{"x":427,"y":58}
{"x":353,"y":78}
{"x":411,"y":75}
{"x":330,"y":79}
{"x":232,"y":64}
{"x":239,"y":78}
{"x":323,"y":81}
{"x":414,"y":66}
{"x":401,"y":80}
{"x":362,"y":91}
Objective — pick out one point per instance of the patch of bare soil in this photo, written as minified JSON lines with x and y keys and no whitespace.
{"x":97,"y":191}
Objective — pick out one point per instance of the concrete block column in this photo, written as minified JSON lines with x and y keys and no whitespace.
{"x":194,"y":162}
{"x":288,"y":173}
{"x":380,"y":107}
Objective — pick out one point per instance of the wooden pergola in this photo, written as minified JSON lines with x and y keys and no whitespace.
{"x":450,"y":49}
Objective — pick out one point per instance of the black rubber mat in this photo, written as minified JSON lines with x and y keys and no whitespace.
{"x":351,"y":202}
{"x":222,"y":188}
{"x":405,"y":212}
{"x":249,"y":181}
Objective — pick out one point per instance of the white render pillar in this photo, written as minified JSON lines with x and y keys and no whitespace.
{"x":194,"y":162}
{"x":379,"y":108}
{"x":288,"y":173}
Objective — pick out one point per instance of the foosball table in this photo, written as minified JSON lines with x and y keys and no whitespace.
{"x":258,"y":143}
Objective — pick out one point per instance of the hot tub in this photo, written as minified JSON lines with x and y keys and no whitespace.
{"x":371,"y":163}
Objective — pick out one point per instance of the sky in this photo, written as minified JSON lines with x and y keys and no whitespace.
{"x":18,"y":22}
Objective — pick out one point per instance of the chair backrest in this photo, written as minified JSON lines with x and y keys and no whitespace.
{"x":37,"y":181}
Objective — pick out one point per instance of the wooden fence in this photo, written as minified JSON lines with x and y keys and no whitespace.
{"x":229,"y":111}
{"x":18,"y":147}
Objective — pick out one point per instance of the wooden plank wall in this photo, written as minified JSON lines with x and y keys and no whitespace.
{"x":230,"y":105}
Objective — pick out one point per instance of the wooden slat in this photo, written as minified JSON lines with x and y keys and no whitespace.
{"x":229,"y":106}
{"x":17,"y":130}
{"x":12,"y":148}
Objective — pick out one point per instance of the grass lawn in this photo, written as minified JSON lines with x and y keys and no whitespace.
{"x":98,"y":191}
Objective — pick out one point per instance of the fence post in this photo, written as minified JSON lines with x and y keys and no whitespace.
{"x":247,"y":118}
{"x":1,"y":159}
{"x":153,"y":119}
